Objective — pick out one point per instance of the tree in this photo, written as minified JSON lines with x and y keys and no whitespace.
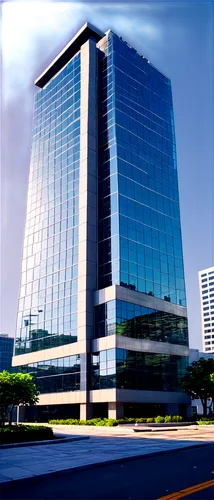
{"x":5,"y":394}
{"x":16,"y":389}
{"x":198,"y":381}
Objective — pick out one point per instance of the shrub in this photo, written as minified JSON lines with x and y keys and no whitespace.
{"x":205,"y":422}
{"x":122,"y":421}
{"x":150,"y":420}
{"x":168,"y":419}
{"x":159,"y":420}
{"x":177,"y":418}
{"x":106,"y":422}
{"x":141,"y":420}
{"x":126,"y":420}
{"x":68,"y":421}
{"x":208,"y":417}
{"x":100,"y":423}
{"x":24,"y":433}
{"x":111,"y":422}
{"x":92,"y":421}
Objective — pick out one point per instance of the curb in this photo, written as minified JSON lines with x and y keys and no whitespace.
{"x":46,"y":441}
{"x":13,"y":483}
{"x":155,"y":430}
{"x":163,"y":424}
{"x":95,"y":428}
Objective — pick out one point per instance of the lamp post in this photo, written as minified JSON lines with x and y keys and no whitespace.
{"x":17,"y":415}
{"x":28,"y":322}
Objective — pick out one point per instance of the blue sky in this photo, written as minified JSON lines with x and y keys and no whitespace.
{"x":177,"y":38}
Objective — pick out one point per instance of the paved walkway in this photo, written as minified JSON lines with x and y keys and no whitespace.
{"x":32,"y":461}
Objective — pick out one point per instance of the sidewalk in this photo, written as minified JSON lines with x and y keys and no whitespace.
{"x":102,"y":448}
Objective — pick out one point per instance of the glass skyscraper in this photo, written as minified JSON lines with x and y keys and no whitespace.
{"x":102,"y":320}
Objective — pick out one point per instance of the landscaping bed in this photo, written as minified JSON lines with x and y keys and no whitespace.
{"x":24,"y":433}
{"x":110,"y":422}
{"x":205,"y":422}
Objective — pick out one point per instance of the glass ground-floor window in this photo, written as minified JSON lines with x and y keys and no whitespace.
{"x":44,"y":413}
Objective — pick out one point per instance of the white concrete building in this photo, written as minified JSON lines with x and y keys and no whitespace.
{"x":206,"y":285}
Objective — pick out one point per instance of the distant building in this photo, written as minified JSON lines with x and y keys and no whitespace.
{"x":6,"y":351}
{"x":206,"y":284}
{"x":195,"y":355}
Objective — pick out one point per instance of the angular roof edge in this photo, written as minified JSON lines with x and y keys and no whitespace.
{"x":68,"y":52}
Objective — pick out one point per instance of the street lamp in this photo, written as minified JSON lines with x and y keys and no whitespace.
{"x":28,"y":322}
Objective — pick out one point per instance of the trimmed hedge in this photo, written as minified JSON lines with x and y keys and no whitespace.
{"x":94,"y":421}
{"x":24,"y":433}
{"x":208,"y":417}
{"x":111,"y":422}
{"x":205,"y":422}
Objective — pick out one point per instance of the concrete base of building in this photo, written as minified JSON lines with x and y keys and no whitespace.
{"x":86,"y":411}
{"x":115,"y":410}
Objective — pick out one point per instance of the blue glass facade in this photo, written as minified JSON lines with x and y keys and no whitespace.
{"x":139,"y":222}
{"x":134,"y":321}
{"x":55,"y":375}
{"x":123,"y":369}
{"x":139,"y":236}
{"x":47,"y":311}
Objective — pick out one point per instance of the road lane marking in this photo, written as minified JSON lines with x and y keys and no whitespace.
{"x":188,"y":491}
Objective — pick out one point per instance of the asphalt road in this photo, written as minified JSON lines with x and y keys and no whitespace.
{"x":142,"y":479}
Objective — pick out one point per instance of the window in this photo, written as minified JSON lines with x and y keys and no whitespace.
{"x":139,"y":322}
{"x":56,"y":375}
{"x":124,"y":369}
